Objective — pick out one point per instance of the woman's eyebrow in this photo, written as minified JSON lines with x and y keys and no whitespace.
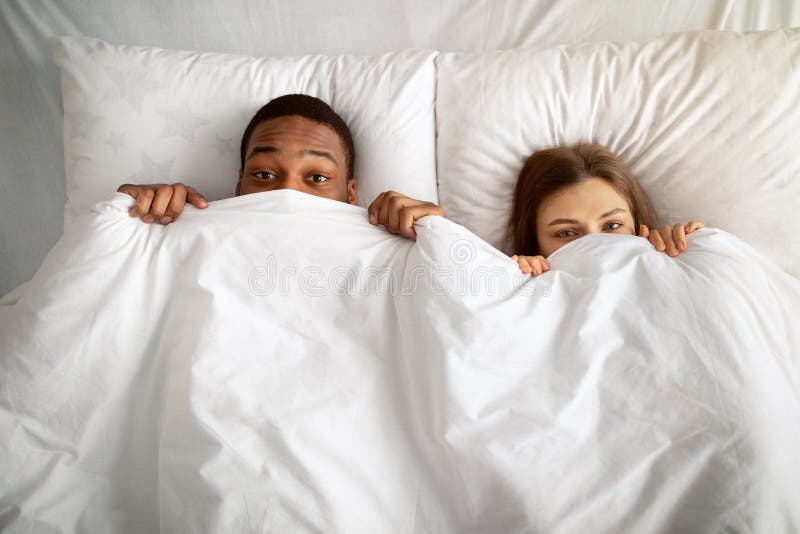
{"x":612,"y":212}
{"x":573,"y":221}
{"x":562,"y":221}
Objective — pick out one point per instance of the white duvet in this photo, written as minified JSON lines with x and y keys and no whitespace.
{"x":276,"y":364}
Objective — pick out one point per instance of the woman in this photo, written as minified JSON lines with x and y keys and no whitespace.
{"x":565,"y":193}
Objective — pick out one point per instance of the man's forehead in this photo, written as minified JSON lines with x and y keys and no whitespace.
{"x":295,"y":130}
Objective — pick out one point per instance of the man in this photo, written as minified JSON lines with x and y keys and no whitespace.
{"x":293,"y":142}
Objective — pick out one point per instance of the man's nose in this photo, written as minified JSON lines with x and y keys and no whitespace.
{"x":289,"y":183}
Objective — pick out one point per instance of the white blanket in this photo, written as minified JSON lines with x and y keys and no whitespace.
{"x":276,"y":364}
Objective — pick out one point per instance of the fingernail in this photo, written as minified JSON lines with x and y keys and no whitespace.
{"x":148,"y":219}
{"x":372,"y":218}
{"x":166,"y":219}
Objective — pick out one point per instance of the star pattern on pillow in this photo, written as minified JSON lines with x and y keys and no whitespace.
{"x":181,"y":123}
{"x":131,"y":86}
{"x":81,"y":124}
{"x":151,"y":171}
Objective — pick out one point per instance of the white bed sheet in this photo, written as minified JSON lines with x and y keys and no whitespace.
{"x":32,"y":190}
{"x":245,"y":369}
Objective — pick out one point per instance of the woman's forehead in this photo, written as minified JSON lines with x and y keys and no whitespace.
{"x":593,"y":195}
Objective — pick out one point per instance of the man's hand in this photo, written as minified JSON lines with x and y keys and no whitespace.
{"x":161,"y":202}
{"x":670,"y":239}
{"x":398,"y":212}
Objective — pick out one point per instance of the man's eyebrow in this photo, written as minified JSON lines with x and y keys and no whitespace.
{"x":307,"y":152}
{"x":320,"y":154}
{"x":267,"y":149}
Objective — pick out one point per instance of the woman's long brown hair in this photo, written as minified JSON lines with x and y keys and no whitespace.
{"x":546,"y":171}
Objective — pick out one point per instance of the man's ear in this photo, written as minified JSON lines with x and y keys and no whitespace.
{"x":351,"y":191}
{"x":239,"y":184}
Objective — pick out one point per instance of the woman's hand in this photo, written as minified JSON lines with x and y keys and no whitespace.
{"x":533,"y":265}
{"x":670,"y":239}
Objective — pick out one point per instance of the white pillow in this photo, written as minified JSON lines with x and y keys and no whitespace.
{"x":143,"y":115}
{"x":708,"y":122}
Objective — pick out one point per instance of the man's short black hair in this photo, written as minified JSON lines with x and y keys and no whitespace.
{"x":308,"y":107}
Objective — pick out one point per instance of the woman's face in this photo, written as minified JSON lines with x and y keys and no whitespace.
{"x":577,"y":210}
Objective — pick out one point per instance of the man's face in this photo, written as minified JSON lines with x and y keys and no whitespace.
{"x":296,"y":153}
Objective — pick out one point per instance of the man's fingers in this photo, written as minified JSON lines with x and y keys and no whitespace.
{"x":398,"y":212}
{"x":383,"y":214}
{"x":176,"y":204}
{"x":405,"y":223}
{"x":396,"y":205}
{"x":144,"y":199}
{"x":161,"y":201}
{"x":374,"y":209}
{"x":194,"y":198}
{"x":679,"y":237}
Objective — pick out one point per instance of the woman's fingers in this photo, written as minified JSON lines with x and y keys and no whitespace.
{"x":671,"y":239}
{"x":657,"y":241}
{"x":693,"y":226}
{"x":669,"y":243}
{"x":533,"y":265}
{"x":679,"y":237}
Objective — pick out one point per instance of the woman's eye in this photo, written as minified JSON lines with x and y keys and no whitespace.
{"x":318,"y":178}
{"x":566,"y":234}
{"x":264,"y":175}
{"x":614,"y":226}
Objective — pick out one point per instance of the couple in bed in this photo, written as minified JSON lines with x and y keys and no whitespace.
{"x":298,"y":142}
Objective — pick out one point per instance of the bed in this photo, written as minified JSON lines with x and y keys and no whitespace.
{"x":163,"y":379}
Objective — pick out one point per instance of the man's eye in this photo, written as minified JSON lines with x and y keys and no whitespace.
{"x":564,"y":234}
{"x":318,"y":179}
{"x":264,"y":175}
{"x":614,"y":225}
